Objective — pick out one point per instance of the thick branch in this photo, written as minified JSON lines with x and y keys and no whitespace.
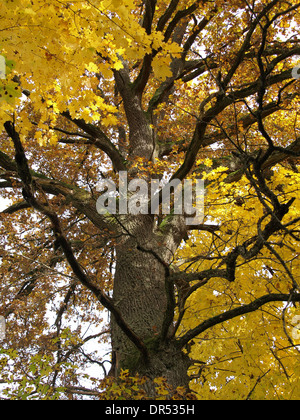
{"x":167,"y":15}
{"x":239,"y":311}
{"x":100,"y":140}
{"x":181,"y":14}
{"x":203,"y":275}
{"x":81,"y":199}
{"x":293,"y":150}
{"x":149,"y":14}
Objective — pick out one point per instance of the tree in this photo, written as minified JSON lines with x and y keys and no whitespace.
{"x":160,"y":89}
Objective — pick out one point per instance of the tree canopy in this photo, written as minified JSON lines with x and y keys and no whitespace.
{"x":96,"y":305}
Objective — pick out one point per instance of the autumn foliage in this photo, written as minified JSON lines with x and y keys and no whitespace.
{"x":110,"y":307}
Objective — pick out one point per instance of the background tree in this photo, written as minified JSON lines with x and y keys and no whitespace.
{"x":158,"y":88}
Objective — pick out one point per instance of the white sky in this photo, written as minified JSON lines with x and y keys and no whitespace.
{"x":4,"y":203}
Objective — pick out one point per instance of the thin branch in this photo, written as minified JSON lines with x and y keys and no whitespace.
{"x":289,"y":301}
{"x":295,"y":284}
{"x":246,"y":44}
{"x":256,"y":383}
{"x":201,"y":127}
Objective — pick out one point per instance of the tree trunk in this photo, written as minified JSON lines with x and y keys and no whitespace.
{"x":144,"y":254}
{"x":141,"y":297}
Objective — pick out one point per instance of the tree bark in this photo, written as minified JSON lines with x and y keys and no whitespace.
{"x":141,"y":296}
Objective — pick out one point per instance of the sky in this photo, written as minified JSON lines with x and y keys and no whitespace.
{"x":4,"y":203}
